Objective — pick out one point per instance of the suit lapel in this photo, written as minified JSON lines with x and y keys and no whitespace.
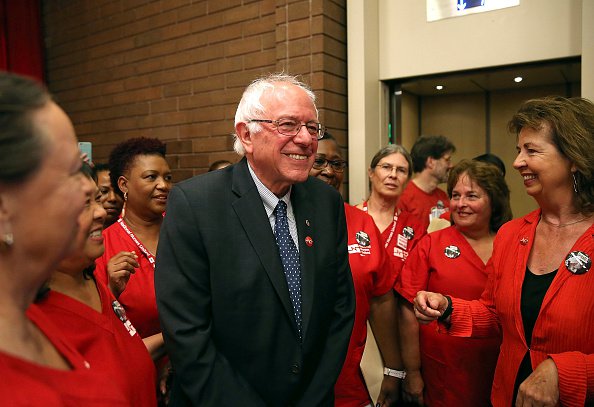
{"x":251,"y":214}
{"x":304,"y":211}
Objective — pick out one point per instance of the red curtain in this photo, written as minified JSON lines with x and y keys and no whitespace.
{"x":21,"y":37}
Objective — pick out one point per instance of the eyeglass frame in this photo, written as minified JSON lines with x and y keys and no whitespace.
{"x":320,"y":133}
{"x":332,"y":164}
{"x":393,"y":168}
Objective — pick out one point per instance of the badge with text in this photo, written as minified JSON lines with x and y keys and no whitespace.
{"x":121,"y":314}
{"x":309,"y":241}
{"x":578,"y":262}
{"x":363,"y":245}
{"x":452,"y":252}
{"x":408,"y":232}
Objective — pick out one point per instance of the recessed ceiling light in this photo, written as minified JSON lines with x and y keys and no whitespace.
{"x":518,"y":79}
{"x":439,"y":87}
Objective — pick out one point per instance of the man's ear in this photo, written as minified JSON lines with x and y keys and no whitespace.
{"x":245,"y":136}
{"x":430,"y":163}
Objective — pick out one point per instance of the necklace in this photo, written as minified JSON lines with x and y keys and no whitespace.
{"x":562,"y":225}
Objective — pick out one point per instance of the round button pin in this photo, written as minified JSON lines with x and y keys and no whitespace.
{"x":452,"y":252}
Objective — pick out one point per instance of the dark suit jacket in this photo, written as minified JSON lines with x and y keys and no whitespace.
{"x":223,"y":298}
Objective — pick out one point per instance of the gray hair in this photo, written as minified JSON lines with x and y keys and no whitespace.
{"x":250,"y":106}
{"x":389,"y":150}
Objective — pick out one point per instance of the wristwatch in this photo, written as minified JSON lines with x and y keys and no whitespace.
{"x":400,"y":374}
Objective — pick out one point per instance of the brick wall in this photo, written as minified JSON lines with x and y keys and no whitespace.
{"x":175,"y":69}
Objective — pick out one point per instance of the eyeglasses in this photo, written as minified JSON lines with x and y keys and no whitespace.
{"x":387,"y":169}
{"x":291,"y":128}
{"x":336,"y":165}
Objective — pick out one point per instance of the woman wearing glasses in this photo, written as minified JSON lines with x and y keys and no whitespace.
{"x":373,"y":278}
{"x":389,"y":172}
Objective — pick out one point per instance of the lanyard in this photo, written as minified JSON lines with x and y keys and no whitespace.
{"x":387,"y":243}
{"x":148,"y":255}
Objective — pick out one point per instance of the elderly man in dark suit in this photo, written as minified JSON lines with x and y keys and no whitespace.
{"x":253,"y":284}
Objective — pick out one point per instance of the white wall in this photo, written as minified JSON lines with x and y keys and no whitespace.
{"x":533,"y":31}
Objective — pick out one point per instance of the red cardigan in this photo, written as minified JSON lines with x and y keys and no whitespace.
{"x":564,"y":330}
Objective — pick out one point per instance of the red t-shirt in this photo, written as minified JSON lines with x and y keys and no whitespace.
{"x":444,"y":262}
{"x":25,"y":383}
{"x":421,"y":204}
{"x":139,"y":296}
{"x":107,"y":341}
{"x":373,"y":276}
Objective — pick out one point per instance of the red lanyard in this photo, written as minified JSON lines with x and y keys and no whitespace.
{"x":387,"y":243}
{"x":148,"y":254}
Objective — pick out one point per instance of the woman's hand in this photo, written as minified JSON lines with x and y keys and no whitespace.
{"x":389,"y":393}
{"x":119,"y":268}
{"x":412,"y":388}
{"x":429,"y":306}
{"x":541,"y":388}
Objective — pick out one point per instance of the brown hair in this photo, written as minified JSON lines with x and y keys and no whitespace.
{"x":572,"y":131}
{"x":489,"y":178}
{"x":23,"y":143}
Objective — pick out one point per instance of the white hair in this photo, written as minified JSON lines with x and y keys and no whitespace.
{"x":250,"y":106}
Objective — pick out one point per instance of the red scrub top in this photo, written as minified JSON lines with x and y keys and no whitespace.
{"x":422,"y":205}
{"x":373,"y":276}
{"x":139,"y":296}
{"x":399,"y":238}
{"x":24,"y":383}
{"x":108,"y":341}
{"x":456,"y":371}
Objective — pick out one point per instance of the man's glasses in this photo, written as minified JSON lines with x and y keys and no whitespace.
{"x":336,"y":165}
{"x":291,"y":128}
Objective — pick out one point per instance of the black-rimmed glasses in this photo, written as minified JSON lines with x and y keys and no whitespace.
{"x":337,"y":165}
{"x":291,"y":128}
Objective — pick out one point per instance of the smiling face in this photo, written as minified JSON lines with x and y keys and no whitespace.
{"x":43,"y":210}
{"x":278,"y":160}
{"x":546,"y":172}
{"x":112,"y":202}
{"x":147,"y":182}
{"x":328,"y":150}
{"x":89,"y":240}
{"x":470,"y":206}
{"x":390,"y":175}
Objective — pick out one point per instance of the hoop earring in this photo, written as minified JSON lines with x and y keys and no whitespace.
{"x":575,"y":185}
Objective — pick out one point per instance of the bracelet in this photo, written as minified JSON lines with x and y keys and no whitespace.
{"x":400,"y":374}
{"x":448,"y":311}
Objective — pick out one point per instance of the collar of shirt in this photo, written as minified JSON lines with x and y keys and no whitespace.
{"x":270,"y":201}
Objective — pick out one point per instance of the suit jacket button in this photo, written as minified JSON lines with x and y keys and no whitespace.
{"x":295,"y":369}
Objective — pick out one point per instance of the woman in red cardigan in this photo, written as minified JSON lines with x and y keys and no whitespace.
{"x":539,"y":293}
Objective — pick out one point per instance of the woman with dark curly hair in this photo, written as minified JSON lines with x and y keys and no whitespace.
{"x":453,"y":260}
{"x":539,"y":292}
{"x":141,"y":175}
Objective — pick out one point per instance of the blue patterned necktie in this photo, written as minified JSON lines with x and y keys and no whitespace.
{"x":289,"y":257}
